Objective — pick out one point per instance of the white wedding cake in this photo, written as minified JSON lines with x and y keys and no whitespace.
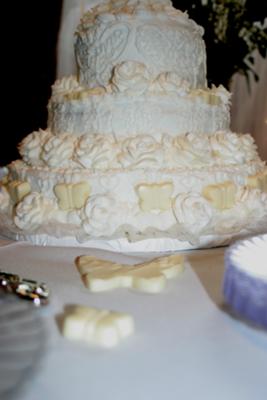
{"x":138,"y":153}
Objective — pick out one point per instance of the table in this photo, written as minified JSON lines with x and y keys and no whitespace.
{"x":186,"y":343}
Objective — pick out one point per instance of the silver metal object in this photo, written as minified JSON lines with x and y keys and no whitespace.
{"x":26,"y":289}
{"x":8,"y":281}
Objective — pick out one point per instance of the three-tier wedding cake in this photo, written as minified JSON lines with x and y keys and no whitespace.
{"x":138,"y":153}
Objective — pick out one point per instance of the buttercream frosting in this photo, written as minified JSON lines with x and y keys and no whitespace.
{"x":102,"y":152}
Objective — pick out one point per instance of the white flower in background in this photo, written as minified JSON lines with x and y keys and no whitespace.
{"x":31,"y":147}
{"x":58,"y":150}
{"x":130,"y":77}
{"x":32,"y":211}
{"x":141,"y":151}
{"x":99,"y":218}
{"x":192,"y":211}
{"x":96,"y":152}
{"x":222,"y":23}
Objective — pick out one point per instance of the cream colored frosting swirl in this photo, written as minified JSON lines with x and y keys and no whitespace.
{"x":142,"y":151}
{"x":96,"y":151}
{"x":130,"y":77}
{"x":58,"y":151}
{"x":170,"y":82}
{"x":190,"y":150}
{"x":251,"y":206}
{"x":65,"y":85}
{"x":249,"y":147}
{"x":254,"y":199}
{"x":222,"y":93}
{"x":192,"y":211}
{"x":128,"y":7}
{"x":232,"y":221}
{"x":32,"y":211}
{"x":98,"y":218}
{"x":232,"y":148}
{"x":31,"y":147}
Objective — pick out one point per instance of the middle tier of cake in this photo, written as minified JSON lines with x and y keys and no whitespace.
{"x":133,"y":103}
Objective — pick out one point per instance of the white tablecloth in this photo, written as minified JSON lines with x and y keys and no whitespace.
{"x":184,"y":346}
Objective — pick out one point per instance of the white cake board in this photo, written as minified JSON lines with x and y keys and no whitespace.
{"x":122,"y":245}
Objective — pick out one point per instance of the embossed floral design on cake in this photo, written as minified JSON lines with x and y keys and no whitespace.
{"x":150,"y":32}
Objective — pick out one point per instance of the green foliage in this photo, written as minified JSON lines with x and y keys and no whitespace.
{"x":234,"y":29}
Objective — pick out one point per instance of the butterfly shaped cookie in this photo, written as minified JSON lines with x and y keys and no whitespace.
{"x":151,"y":276}
{"x":97,"y":326}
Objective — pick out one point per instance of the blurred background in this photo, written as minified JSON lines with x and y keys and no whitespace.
{"x":29,"y":44}
{"x":38,"y":48}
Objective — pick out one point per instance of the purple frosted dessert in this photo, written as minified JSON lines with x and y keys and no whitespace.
{"x":245,"y":279}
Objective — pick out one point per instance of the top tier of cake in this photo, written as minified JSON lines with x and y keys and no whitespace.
{"x":149,"y":32}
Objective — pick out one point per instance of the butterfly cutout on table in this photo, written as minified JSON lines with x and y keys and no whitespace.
{"x":151,"y":276}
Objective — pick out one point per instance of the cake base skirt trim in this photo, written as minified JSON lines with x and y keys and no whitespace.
{"x":122,"y":245}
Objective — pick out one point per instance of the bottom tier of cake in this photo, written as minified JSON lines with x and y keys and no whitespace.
{"x":134,"y":210}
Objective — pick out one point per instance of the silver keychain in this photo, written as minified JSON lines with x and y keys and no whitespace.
{"x":26,"y":289}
